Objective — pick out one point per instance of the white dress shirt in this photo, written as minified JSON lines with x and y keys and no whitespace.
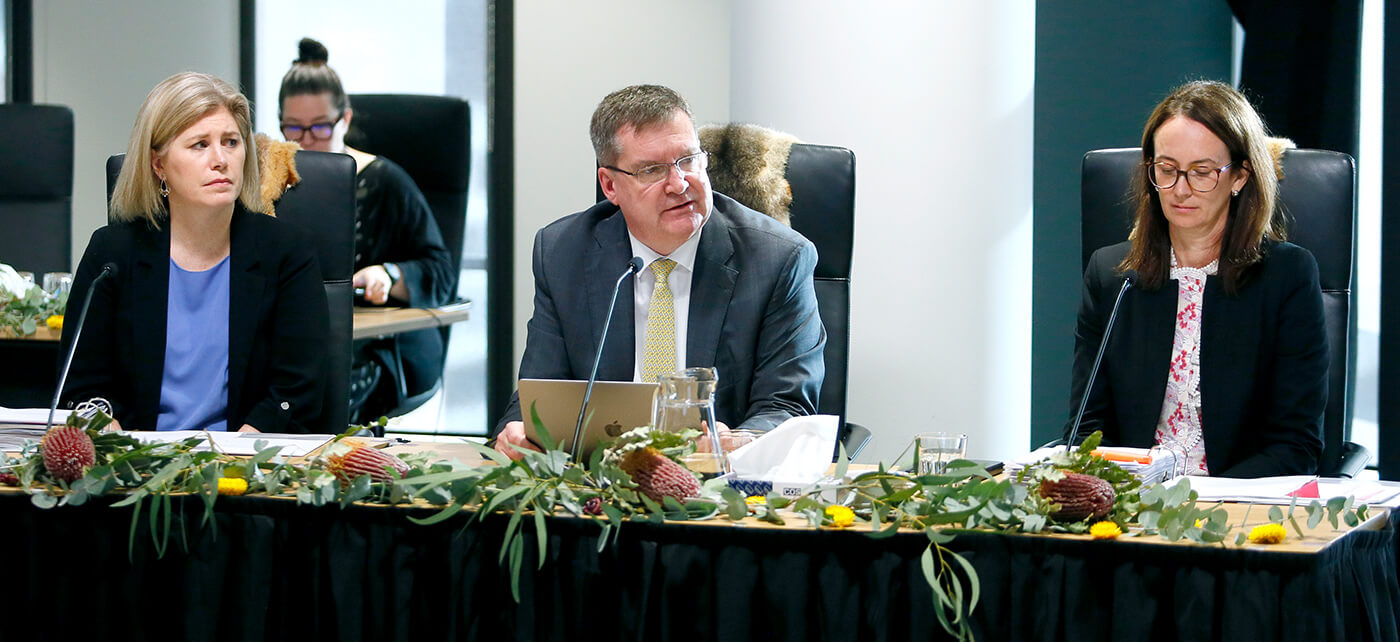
{"x":680,"y":279}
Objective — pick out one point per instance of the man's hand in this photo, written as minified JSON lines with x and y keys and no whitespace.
{"x":513,"y":437}
{"x":375,"y":280}
{"x":730,"y":440}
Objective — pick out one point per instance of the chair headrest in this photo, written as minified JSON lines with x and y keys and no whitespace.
{"x":748,"y":163}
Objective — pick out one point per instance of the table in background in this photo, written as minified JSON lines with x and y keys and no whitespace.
{"x":372,"y":323}
{"x":277,"y":570}
{"x":31,"y":363}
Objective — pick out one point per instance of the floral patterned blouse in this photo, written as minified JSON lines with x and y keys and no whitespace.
{"x":1179,"y":426}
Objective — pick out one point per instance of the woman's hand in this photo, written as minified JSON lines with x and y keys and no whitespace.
{"x":376,"y":282}
{"x":248,"y":428}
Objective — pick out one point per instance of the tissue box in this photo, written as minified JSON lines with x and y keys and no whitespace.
{"x":748,"y":487}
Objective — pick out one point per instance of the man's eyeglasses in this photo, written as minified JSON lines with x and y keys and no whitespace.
{"x":692,"y":164}
{"x":1200,"y":178}
{"x":319,"y":131}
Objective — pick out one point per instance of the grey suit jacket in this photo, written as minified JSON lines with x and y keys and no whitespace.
{"x":753,"y":311}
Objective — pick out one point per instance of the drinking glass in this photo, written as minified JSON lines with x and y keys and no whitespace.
{"x":685,"y":399}
{"x":56,"y":283}
{"x":935,"y":449}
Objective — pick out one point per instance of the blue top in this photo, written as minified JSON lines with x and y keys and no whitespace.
{"x":194,"y":388}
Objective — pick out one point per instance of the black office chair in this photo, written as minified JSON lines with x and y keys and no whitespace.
{"x":430,"y":137}
{"x":822,"y":181}
{"x":36,"y":187}
{"x":1318,"y":193}
{"x":323,"y":203}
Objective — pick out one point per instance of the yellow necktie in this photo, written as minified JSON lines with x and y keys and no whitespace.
{"x":659,"y":357}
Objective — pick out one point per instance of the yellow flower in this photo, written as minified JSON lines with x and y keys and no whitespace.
{"x":756,"y":500}
{"x":1200,"y":523}
{"x":232,"y":486}
{"x":55,"y":322}
{"x":841,"y":516}
{"x":1105,"y":530}
{"x":1267,"y":534}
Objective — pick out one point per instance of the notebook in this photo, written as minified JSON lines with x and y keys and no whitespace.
{"x":616,"y":407}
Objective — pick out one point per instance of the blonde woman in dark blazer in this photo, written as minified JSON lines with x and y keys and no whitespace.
{"x":215,"y":312}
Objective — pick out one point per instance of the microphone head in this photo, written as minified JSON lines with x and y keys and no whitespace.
{"x":635,"y":264}
{"x":110,"y":268}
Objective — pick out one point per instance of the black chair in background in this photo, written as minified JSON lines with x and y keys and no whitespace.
{"x":1318,"y":194}
{"x":323,"y":204}
{"x":36,"y":213}
{"x":430,"y":138}
{"x":822,"y":180}
{"x":36,"y":187}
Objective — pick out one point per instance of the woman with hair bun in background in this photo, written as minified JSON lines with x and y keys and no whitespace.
{"x":400,"y":257}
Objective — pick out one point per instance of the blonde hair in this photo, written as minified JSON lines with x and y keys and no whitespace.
{"x":172,"y":107}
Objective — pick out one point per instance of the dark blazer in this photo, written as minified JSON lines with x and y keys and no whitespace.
{"x":1263,"y":363}
{"x":753,"y":311}
{"x":277,"y":324}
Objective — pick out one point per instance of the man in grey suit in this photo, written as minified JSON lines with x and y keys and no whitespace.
{"x":723,"y":286}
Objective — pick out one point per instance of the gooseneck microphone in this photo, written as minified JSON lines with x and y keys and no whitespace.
{"x":109,"y":269}
{"x":633,"y":266}
{"x":1093,"y":372}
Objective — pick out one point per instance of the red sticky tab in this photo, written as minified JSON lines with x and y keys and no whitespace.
{"x":1306,"y":491}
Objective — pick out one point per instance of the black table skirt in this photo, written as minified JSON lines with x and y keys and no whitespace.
{"x":277,"y":571}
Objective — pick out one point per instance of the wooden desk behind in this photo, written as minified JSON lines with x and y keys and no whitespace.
{"x":372,"y":323}
{"x":30,"y":363}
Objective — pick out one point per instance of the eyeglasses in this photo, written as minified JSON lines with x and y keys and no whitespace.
{"x":319,"y":131}
{"x":1200,"y":178}
{"x":692,"y":164}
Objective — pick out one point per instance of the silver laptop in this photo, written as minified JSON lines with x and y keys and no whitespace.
{"x":616,"y":407}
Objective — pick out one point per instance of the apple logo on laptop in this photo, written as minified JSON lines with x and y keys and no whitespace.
{"x":613,"y":429}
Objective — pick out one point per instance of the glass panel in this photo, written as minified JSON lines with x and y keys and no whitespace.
{"x":1368,"y":229}
{"x":436,"y":47}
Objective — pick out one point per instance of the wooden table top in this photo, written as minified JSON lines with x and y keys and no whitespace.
{"x":369,"y":323}
{"x":1242,"y":516}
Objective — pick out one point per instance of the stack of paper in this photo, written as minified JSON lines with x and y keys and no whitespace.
{"x":18,"y":425}
{"x":1150,"y":466}
{"x":1282,"y":490}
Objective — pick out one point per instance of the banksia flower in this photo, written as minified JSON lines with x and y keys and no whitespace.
{"x":1080,"y":496}
{"x":657,"y":476}
{"x":67,"y":451}
{"x":365,"y":460}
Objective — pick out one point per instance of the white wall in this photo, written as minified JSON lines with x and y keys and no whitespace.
{"x":568,"y":56}
{"x":375,"y":46}
{"x":101,"y":58}
{"x":935,"y":99}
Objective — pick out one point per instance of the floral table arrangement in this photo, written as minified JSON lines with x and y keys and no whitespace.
{"x":640,"y":477}
{"x":24,"y":306}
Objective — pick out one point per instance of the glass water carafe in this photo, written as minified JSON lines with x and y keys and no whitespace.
{"x":685,"y":399}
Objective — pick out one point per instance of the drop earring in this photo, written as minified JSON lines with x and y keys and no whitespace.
{"x":165,"y":191}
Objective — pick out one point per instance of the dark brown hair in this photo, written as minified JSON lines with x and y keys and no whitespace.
{"x":640,"y":106}
{"x":1253,"y":215}
{"x":311,"y":75}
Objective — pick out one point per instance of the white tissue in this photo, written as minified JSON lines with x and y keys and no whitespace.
{"x":11,"y":282}
{"x":797,"y":451}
